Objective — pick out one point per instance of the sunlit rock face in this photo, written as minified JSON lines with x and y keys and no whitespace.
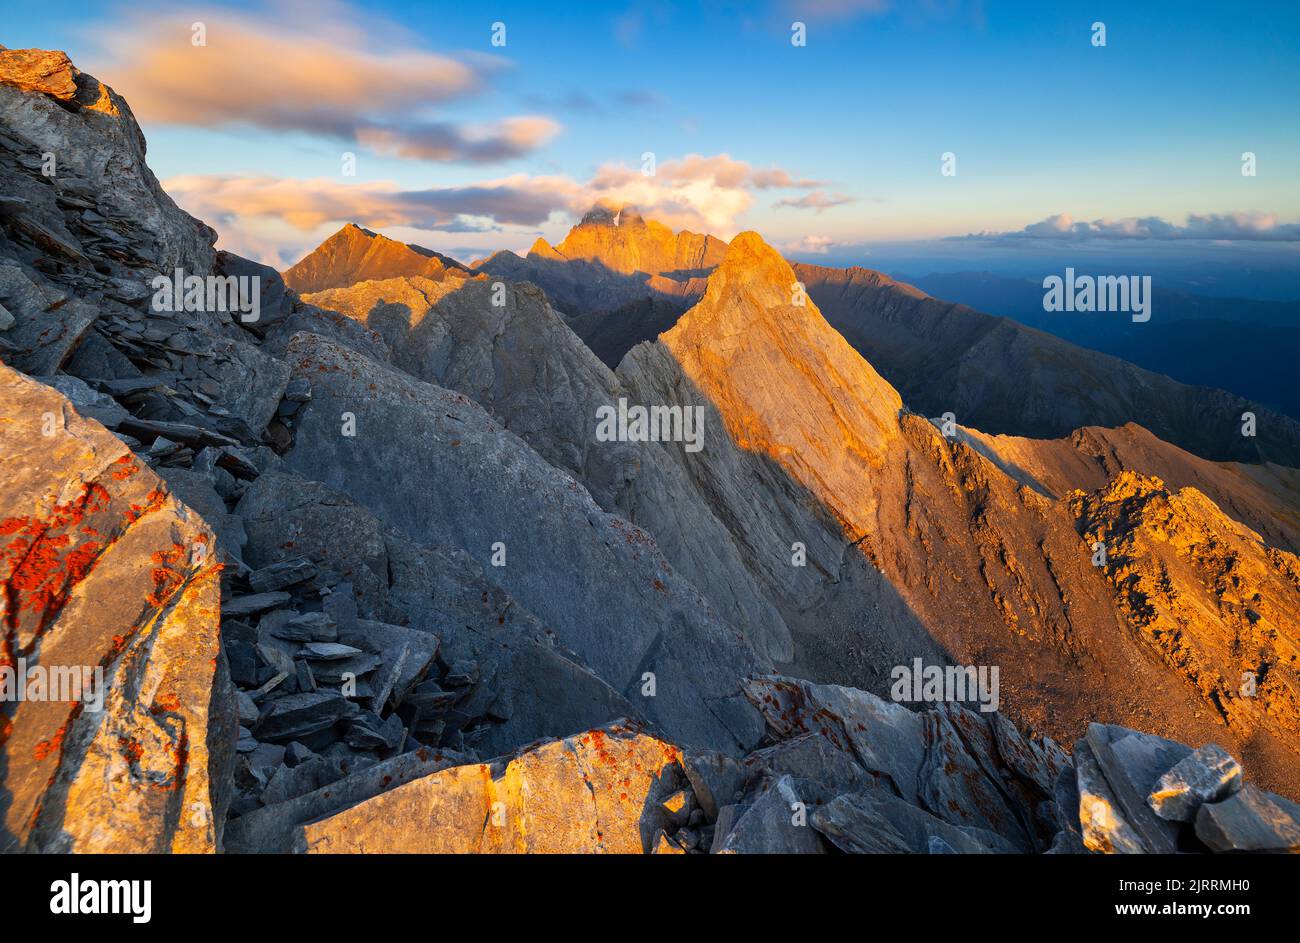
{"x":104,"y":573}
{"x":598,"y":792}
{"x":785,"y":383}
{"x":354,"y":255}
{"x":616,"y":277}
{"x":625,"y":242}
{"x":1206,"y":594}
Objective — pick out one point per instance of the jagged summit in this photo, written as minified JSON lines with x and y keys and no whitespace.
{"x":622,"y":240}
{"x":784,"y":381}
{"x":613,"y":215}
{"x":356,"y":254}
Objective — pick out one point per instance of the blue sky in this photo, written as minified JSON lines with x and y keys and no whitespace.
{"x":1042,"y":122}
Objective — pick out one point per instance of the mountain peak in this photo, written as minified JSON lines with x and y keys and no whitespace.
{"x":356,"y":254}
{"x":352,"y":230}
{"x":752,"y":276}
{"x":750,"y":254}
{"x":618,"y":237}
{"x":786,"y":384}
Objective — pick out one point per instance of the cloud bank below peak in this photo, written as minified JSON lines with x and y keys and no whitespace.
{"x":1255,"y":227}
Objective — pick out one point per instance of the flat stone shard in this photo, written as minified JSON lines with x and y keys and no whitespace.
{"x":1101,"y":820}
{"x":97,"y":569}
{"x":1250,"y":820}
{"x":1209,"y":774}
{"x":877,"y":822}
{"x":1132,"y":762}
{"x":595,"y":792}
{"x":776,"y":823}
{"x":272,"y":829}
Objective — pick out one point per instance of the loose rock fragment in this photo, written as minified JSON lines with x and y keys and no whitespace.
{"x":1209,"y":774}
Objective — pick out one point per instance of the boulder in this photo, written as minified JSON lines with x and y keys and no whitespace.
{"x":98,"y":571}
{"x":1132,"y":762}
{"x":1102,"y":824}
{"x":1209,"y":774}
{"x":596,"y":792}
{"x":877,"y":822}
{"x":776,"y":822}
{"x":47,"y":72}
{"x":1250,"y":820}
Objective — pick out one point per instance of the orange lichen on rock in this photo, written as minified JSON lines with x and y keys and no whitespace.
{"x":48,"y":556}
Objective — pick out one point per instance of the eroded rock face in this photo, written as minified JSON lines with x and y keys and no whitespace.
{"x":48,"y":107}
{"x":611,"y":260}
{"x":624,"y":241}
{"x":435,"y":466}
{"x":102,"y":569}
{"x":1206,"y":594}
{"x":509,"y":351}
{"x":598,"y":792}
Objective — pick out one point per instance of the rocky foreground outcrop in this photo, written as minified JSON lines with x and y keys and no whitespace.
{"x":841,"y":771}
{"x":116,"y":729}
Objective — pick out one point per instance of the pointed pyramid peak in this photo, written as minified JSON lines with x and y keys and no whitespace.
{"x":757,"y":270}
{"x":352,"y":229}
{"x":749,"y":251}
{"x":544,"y":249}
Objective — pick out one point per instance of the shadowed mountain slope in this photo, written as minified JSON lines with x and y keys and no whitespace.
{"x":1002,"y":377}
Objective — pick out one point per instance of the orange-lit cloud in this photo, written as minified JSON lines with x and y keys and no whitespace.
{"x":318,"y":68}
{"x":276,"y":218}
{"x":818,"y":200}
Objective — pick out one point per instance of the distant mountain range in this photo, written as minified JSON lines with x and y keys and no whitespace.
{"x":1243,"y":345}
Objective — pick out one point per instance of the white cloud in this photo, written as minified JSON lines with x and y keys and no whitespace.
{"x":818,"y":200}
{"x":1262,"y":227}
{"x":809,"y":245}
